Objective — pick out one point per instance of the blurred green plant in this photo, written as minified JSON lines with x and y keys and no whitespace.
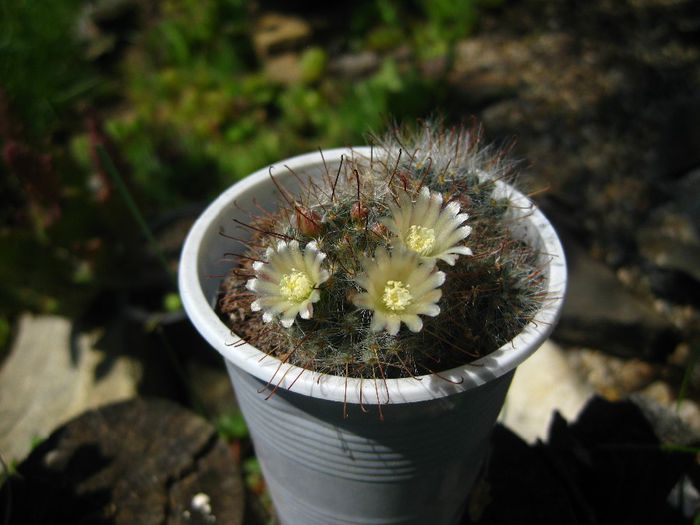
{"x":232,"y":426}
{"x":187,"y":102}
{"x":196,"y":93}
{"x":313,"y":64}
{"x":43,"y":75}
{"x":41,"y":65}
{"x":260,"y":499}
{"x":172,"y":302}
{"x":185,"y":110}
{"x":447,"y":22}
{"x":430,"y":27}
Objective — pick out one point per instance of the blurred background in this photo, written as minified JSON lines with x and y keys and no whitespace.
{"x":121,"y":119}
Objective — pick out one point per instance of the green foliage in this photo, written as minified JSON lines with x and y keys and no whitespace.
{"x":385,"y":38}
{"x":191,"y":98}
{"x":41,"y":68}
{"x":172,"y":302}
{"x":313,"y":64}
{"x":432,"y":27}
{"x":197,"y":97}
{"x":451,"y":19}
{"x":251,"y":467}
{"x":232,"y":427}
{"x":186,"y":109}
{"x":191,"y":29}
{"x":36,"y":441}
{"x":338,"y":113}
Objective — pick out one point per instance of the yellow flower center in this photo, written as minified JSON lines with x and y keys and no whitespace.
{"x":420,"y":239}
{"x":396,"y":296}
{"x":295,"y":286}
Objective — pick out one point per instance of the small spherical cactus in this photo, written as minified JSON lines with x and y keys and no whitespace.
{"x":395,"y":265}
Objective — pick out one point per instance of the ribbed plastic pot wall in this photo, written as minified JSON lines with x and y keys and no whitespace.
{"x":418,"y":463}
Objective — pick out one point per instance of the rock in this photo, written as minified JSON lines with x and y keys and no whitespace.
{"x":543,"y":384}
{"x":668,"y":425}
{"x":670,"y":241}
{"x":612,"y":377}
{"x":599,"y":312}
{"x":483,"y":74}
{"x":355,"y":65}
{"x":658,"y":392}
{"x":52,"y":374}
{"x":275,"y":33}
{"x":659,"y":398}
{"x":553,"y":78}
{"x":689,"y":412}
{"x":138,"y":462}
{"x":284,"y":69}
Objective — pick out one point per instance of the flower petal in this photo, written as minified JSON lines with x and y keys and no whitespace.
{"x":435,"y":280}
{"x":430,"y":310}
{"x":393,"y":324}
{"x":430,"y":219}
{"x":449,"y":258}
{"x":307,"y":311}
{"x":378,"y":323}
{"x":462,"y":250}
{"x":413,"y":322}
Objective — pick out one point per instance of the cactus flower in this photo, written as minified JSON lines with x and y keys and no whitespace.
{"x":399,"y":288}
{"x":287,"y":283}
{"x":427,"y":228}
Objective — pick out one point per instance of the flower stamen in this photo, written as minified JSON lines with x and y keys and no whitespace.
{"x":397,"y":296}
{"x":295,"y":286}
{"x":420,"y":239}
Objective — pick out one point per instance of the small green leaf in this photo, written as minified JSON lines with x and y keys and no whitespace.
{"x":172,"y":302}
{"x":232,"y":426}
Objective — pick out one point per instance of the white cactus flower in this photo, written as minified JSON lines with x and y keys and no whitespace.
{"x":427,"y":228}
{"x":399,"y":288}
{"x":287,"y":283}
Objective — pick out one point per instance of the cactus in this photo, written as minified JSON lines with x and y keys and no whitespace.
{"x":394,"y":266}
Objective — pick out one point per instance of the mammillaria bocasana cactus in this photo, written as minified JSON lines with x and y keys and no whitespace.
{"x":394,"y":264}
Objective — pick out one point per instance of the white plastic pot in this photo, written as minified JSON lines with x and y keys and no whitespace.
{"x":416,"y":465}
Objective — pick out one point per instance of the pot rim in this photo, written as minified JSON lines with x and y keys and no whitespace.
{"x":276,"y":374}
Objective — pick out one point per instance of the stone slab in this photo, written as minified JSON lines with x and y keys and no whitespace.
{"x":52,"y":374}
{"x":544,"y":383}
